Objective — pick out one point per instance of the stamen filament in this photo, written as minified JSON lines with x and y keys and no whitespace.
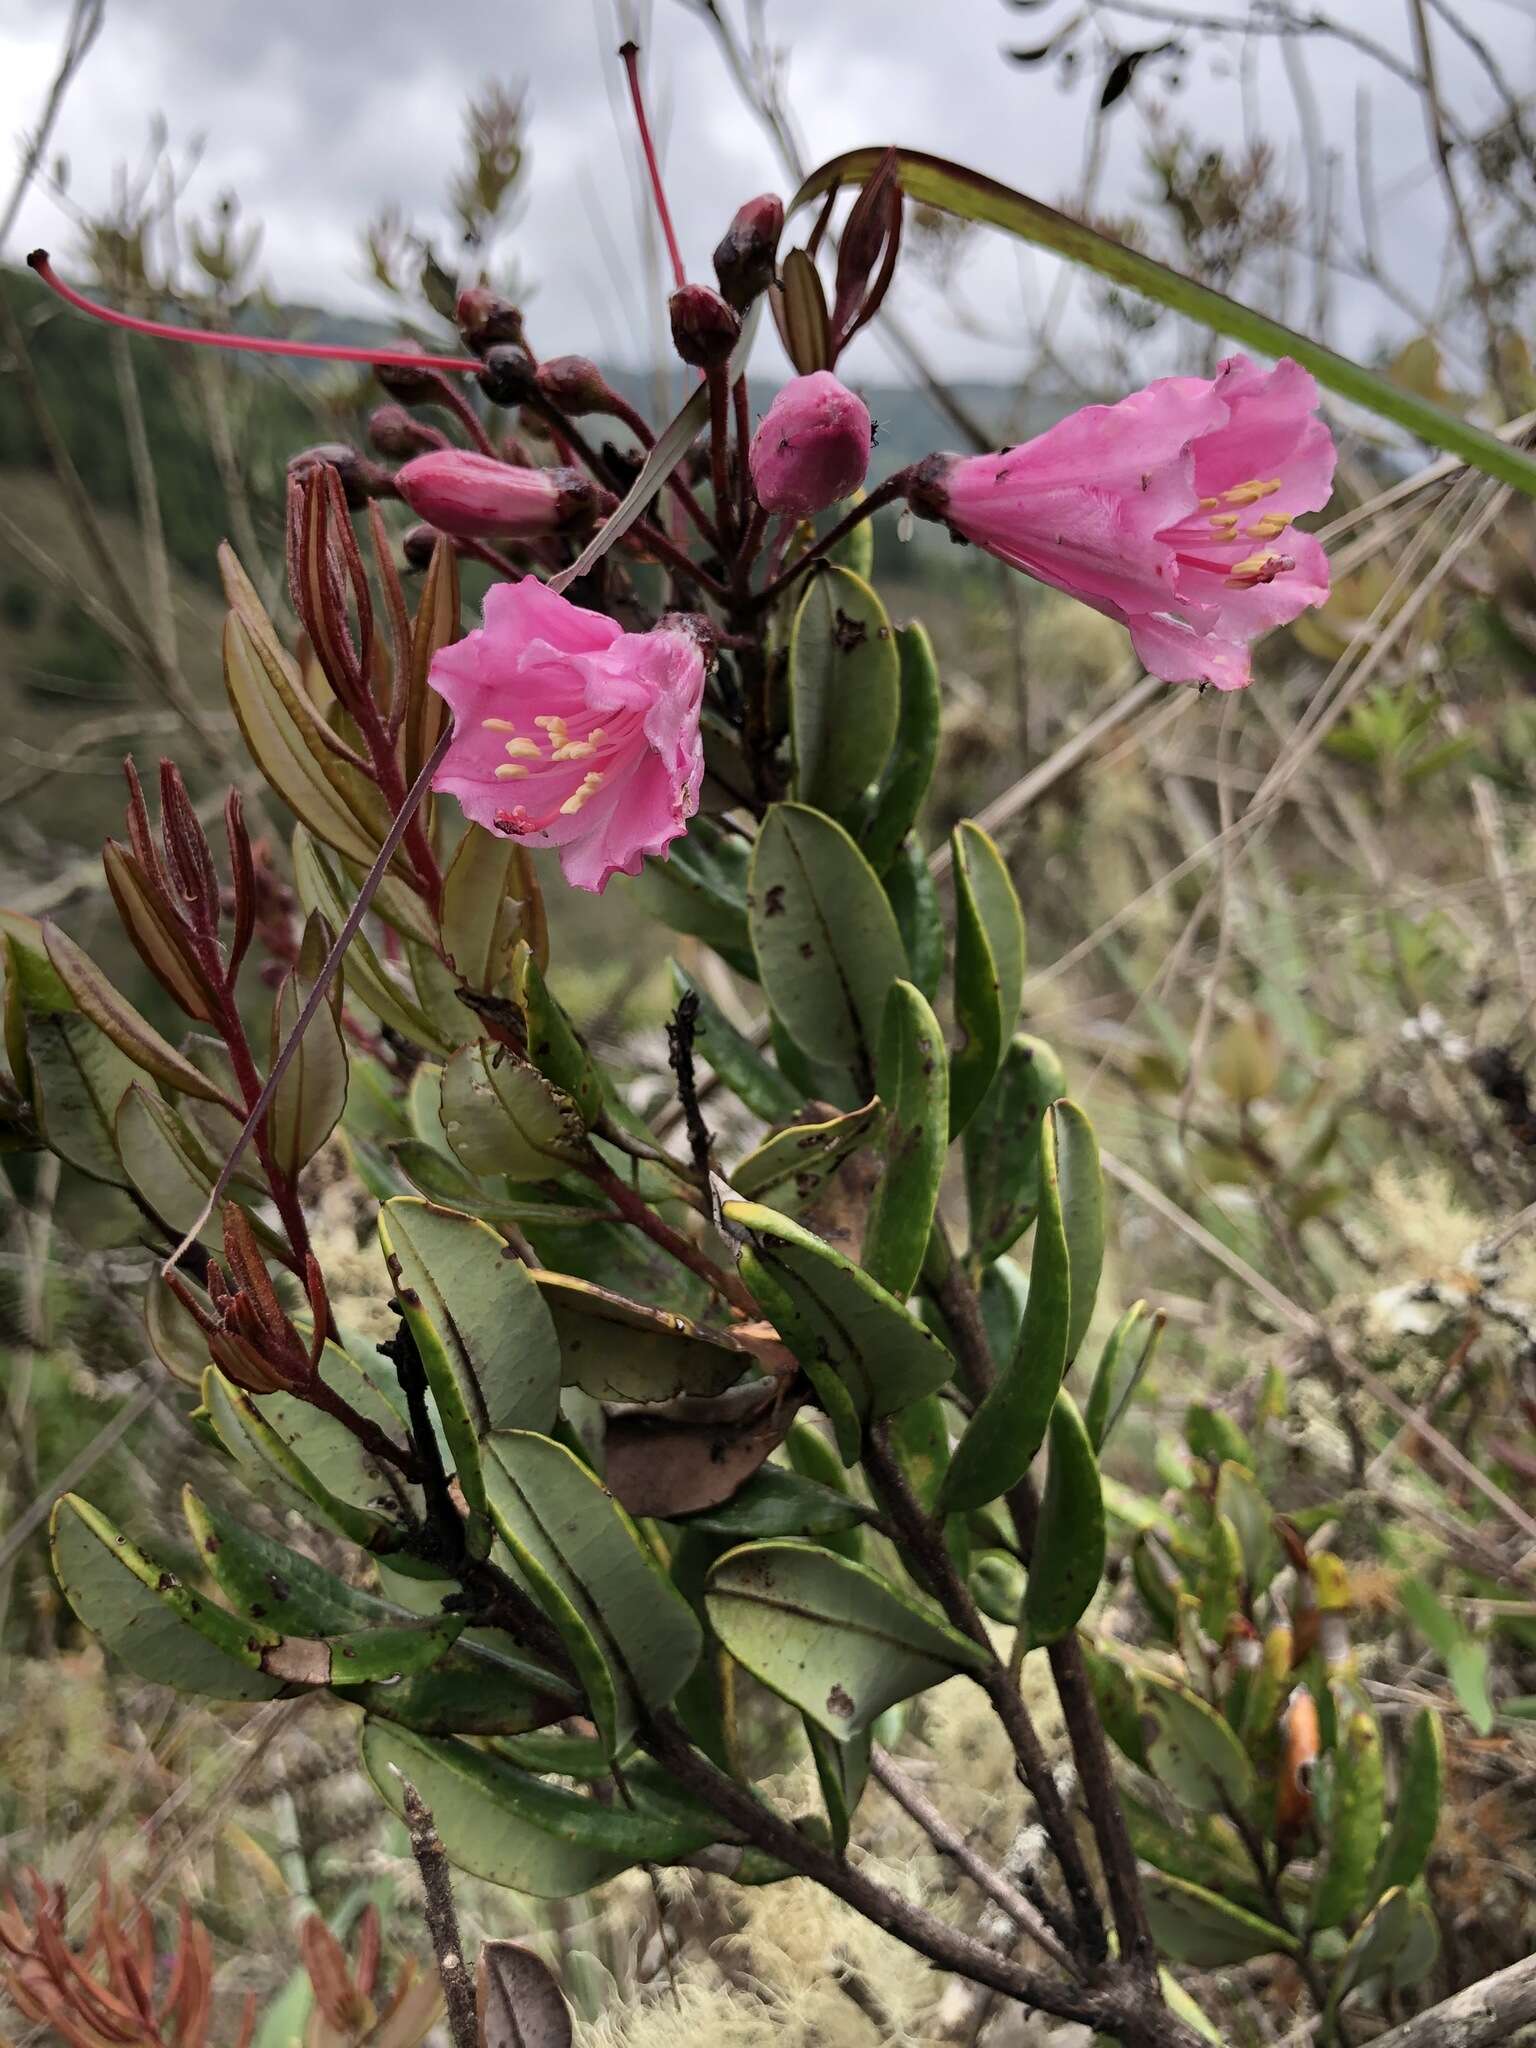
{"x":249,"y":344}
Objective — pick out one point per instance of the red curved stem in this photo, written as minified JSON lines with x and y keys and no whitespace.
{"x":631,"y":55}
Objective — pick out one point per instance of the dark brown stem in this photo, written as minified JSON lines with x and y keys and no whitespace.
{"x":453,"y":1970}
{"x":743,"y":442}
{"x":880,"y":496}
{"x":636,"y":1210}
{"x":923,"y":1541}
{"x":655,"y":542}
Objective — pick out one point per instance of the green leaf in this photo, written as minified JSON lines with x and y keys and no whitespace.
{"x":775,"y":1502}
{"x":145,"y":1615}
{"x":989,"y":968}
{"x":1002,"y":1147}
{"x":914,"y":753}
{"x":913,"y":1080}
{"x":841,"y":1324}
{"x":1416,"y":1811}
{"x":1464,"y":1657}
{"x":323,"y":887}
{"x":278,"y":1586}
{"x":736,"y":1059}
{"x":701,"y":889}
{"x":831,"y":1637}
{"x":1240,"y":1499}
{"x":842,"y":1770}
{"x":502,"y":1116}
{"x":844,"y":692}
{"x":503,"y":1824}
{"x":1192,"y":1751}
{"x":789,"y":1169}
{"x":1375,"y":1946}
{"x":1205,"y":1930}
{"x":112,"y":1013}
{"x":583,"y":1562}
{"x":164,"y":1161}
{"x":800,"y":311}
{"x":618,"y":1350}
{"x":553,"y":1044}
{"x":1221,"y":1577}
{"x":825,"y":938}
{"x":1082,"y":1214}
{"x":997,"y":1582}
{"x":914,"y":897}
{"x":489,"y":891}
{"x":1008,"y":1428}
{"x":1068,"y":1558}
{"x":75,"y":1074}
{"x":934,"y":181}
{"x":312,"y":1093}
{"x":1354,"y":1831}
{"x":1122,"y":1366}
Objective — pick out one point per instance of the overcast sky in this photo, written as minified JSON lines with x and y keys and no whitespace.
{"x":319,"y":112}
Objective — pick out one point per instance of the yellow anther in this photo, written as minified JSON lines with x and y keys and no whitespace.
{"x":597,"y":735}
{"x":573,"y":750}
{"x":552,"y":723}
{"x":524,"y":750}
{"x":509,"y":771}
{"x":497,"y":725}
{"x":1224,"y":524}
{"x":1268,"y":527}
{"x":589,"y":787}
{"x":1251,"y":492}
{"x":1209,"y":504}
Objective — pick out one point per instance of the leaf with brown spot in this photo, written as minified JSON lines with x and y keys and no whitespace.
{"x":689,"y":1455}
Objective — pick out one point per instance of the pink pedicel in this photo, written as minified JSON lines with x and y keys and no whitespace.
{"x":1170,"y":511}
{"x":570,"y":732}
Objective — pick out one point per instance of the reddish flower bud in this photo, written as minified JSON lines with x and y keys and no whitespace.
{"x":704,"y":328}
{"x":475,"y":496}
{"x":485,"y":319}
{"x":393,"y":432}
{"x":745,"y":254}
{"x":418,"y":544}
{"x":575,"y":384}
{"x":413,"y":387}
{"x":360,"y":478}
{"x":812,"y":447}
{"x":509,"y":376}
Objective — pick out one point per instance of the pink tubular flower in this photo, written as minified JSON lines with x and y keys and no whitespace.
{"x":812,"y":447}
{"x":570,"y":732}
{"x":476,"y":497}
{"x":1170,"y":512}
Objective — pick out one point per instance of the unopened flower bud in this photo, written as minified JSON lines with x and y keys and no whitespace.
{"x":486,"y":320}
{"x":704,"y":328}
{"x":745,"y":254}
{"x":418,"y":544}
{"x":475,"y":496}
{"x":509,"y":376}
{"x":575,"y":384}
{"x":411,"y":387}
{"x":393,"y":432}
{"x":812,"y":447}
{"x":360,"y":478}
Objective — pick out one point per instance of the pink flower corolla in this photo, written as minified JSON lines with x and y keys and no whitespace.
{"x":812,"y":447}
{"x":477,"y":497}
{"x":570,"y":732}
{"x":1170,"y":512}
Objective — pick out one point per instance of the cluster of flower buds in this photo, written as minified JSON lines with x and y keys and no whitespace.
{"x":250,"y":1336}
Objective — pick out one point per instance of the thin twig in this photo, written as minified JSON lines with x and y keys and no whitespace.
{"x":442,"y":1919}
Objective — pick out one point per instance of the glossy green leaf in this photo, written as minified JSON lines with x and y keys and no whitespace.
{"x":914,"y":897}
{"x":844,"y":692}
{"x":165,"y":1162}
{"x":554,"y":1045}
{"x":825,"y":938}
{"x":1202,"y":1849}
{"x":935,"y":181}
{"x":914,"y":752}
{"x":159,"y":1628}
{"x":1220,"y":1587}
{"x":1199,"y":1927}
{"x":1240,"y":1499}
{"x":736,"y":1059}
{"x":1068,"y":1557}
{"x":1192,"y":1751}
{"x":989,"y":968}
{"x":1002,"y":1147}
{"x":842,"y":1771}
{"x":912,"y":1076}
{"x":832,"y":1637}
{"x":488,"y":890}
{"x":1082,"y":1214}
{"x":323,"y":886}
{"x":1416,"y":1809}
{"x":790,"y":1168}
{"x":1009,"y":1427}
{"x":75,"y":1075}
{"x":502,"y":1116}
{"x":503,"y":1824}
{"x":1122,"y":1366}
{"x":701,"y":889}
{"x":775,"y":1502}
{"x":997,"y":1585}
{"x":619,"y":1350}
{"x":581,"y":1558}
{"x":1375,"y":1946}
{"x":1343,"y":1883}
{"x":312,"y":1093}
{"x":112,"y":1013}
{"x":277,"y":1586}
{"x":840,"y":1323}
